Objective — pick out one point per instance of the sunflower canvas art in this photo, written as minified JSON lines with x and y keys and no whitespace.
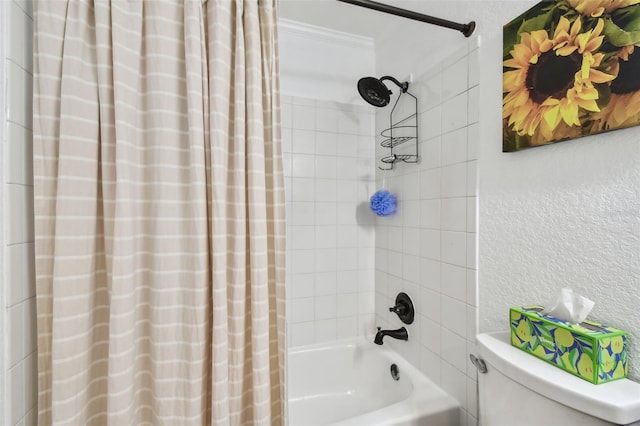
{"x":571,"y":68}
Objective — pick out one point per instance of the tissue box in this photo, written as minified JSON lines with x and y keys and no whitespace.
{"x":594,"y":352}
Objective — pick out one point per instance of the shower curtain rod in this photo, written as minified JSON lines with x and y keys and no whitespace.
{"x":466,"y":29}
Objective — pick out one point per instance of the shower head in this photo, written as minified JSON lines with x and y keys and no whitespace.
{"x":375,"y":92}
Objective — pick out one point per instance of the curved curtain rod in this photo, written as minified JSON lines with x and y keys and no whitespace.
{"x":466,"y":29}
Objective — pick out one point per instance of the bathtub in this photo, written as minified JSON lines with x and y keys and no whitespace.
{"x":350,"y":383}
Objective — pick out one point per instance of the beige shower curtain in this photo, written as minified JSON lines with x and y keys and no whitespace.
{"x":159,"y":207}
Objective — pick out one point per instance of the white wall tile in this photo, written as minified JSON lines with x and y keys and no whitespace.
{"x":326,"y":119}
{"x":431,"y":93}
{"x":471,"y":251}
{"x":286,"y":115}
{"x":302,"y":310}
{"x":455,"y":78}
{"x":19,"y":95}
{"x":304,"y":166}
{"x":472,"y":214}
{"x":303,"y":117}
{"x":303,"y":189}
{"x":347,"y":327}
{"x":326,"y":236}
{"x":20,"y":212}
{"x":472,"y":400}
{"x":474,"y":105}
{"x":325,"y":283}
{"x":472,"y":178}
{"x":325,"y":307}
{"x":302,"y":213}
{"x":454,"y":147}
{"x":303,"y":237}
{"x":430,"y":365}
{"x":454,"y":281}
{"x":325,"y":260}
{"x":26,"y":6}
{"x":20,"y":151}
{"x":454,"y":214}
{"x":455,"y":383}
{"x":454,"y":247}
{"x":472,"y":287}
{"x":454,"y":180}
{"x":16,"y":396}
{"x":302,"y":262}
{"x":348,"y":122}
{"x":326,"y":167}
{"x":15,"y":276}
{"x":431,"y":335}
{"x":454,"y":113}
{"x":474,"y":67}
{"x":472,"y":323}
{"x":411,"y":241}
{"x":301,"y":286}
{"x":430,"y":183}
{"x":326,"y":143}
{"x":302,"y":333}
{"x":430,"y":274}
{"x":431,"y":305}
{"x":303,"y":141}
{"x":16,"y":334}
{"x":453,"y":315}
{"x":454,"y":350}
{"x":430,"y":124}
{"x":346,"y":305}
{"x":325,"y":190}
{"x":430,"y":245}
{"x":472,"y":141}
{"x":411,"y":268}
{"x":326,"y":330}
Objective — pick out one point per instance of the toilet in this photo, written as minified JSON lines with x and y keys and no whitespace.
{"x":518,"y":389}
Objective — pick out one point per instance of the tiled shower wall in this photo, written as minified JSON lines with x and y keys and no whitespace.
{"x":328,"y":161}
{"x":428,"y":249}
{"x":18,"y":280}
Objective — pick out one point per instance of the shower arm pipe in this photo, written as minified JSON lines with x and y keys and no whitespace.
{"x":466,"y":29}
{"x":404,"y":86}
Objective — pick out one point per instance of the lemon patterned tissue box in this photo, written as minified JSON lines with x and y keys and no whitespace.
{"x":594,"y":352}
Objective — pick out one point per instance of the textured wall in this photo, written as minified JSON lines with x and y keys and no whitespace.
{"x":564,"y":215}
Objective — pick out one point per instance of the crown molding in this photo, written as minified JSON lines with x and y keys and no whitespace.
{"x":299,"y":29}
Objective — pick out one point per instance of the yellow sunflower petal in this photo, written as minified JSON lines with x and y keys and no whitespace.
{"x":567,"y":50}
{"x":552,"y":117}
{"x":569,"y":114}
{"x":588,"y":104}
{"x":562,"y":28}
{"x":599,"y":77}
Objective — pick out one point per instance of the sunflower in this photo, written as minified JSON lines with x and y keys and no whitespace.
{"x":596,"y":8}
{"x":553,"y":79}
{"x":623,"y":109}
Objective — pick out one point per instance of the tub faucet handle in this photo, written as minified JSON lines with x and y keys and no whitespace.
{"x":399,"y":309}
{"x":403,"y":308}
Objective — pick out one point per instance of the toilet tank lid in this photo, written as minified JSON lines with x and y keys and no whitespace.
{"x":617,"y":402}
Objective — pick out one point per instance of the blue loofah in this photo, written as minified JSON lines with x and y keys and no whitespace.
{"x":383,"y":203}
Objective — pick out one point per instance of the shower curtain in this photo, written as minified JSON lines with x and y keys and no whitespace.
{"x":159,"y":208}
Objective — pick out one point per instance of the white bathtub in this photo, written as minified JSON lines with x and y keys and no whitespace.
{"x":350,"y":383}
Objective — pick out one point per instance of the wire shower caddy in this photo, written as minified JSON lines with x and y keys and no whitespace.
{"x":400,"y":132}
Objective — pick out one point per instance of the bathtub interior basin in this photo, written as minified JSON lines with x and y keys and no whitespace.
{"x":351,"y":383}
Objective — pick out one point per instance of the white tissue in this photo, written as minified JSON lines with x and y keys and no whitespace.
{"x":571,"y":306}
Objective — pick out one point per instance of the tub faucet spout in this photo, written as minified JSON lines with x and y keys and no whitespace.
{"x":400,"y":334}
